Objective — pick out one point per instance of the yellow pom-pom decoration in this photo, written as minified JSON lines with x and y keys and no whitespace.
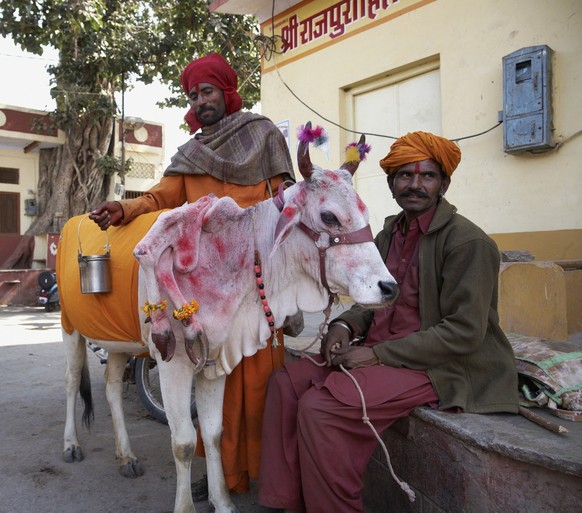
{"x":352,"y":154}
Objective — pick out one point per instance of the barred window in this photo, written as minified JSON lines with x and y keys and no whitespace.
{"x":142,"y":170}
{"x":9,"y":175}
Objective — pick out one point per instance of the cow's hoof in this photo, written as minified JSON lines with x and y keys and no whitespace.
{"x":198,"y":361}
{"x":165,"y":344}
{"x":73,"y":454}
{"x":132,"y":469}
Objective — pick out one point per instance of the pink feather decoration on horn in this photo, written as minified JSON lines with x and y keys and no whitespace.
{"x":316,"y":135}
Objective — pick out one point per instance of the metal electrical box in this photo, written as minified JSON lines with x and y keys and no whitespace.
{"x":30,"y":207}
{"x":527,"y":100}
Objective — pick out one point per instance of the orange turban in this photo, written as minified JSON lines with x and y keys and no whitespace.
{"x":417,"y":146}
{"x":215,"y":70}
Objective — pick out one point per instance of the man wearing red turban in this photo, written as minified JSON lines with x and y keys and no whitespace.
{"x":238,"y":154}
{"x":214,"y":70}
{"x":439,"y":345}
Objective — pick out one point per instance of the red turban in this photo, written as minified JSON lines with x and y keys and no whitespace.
{"x":215,"y":70}
{"x":417,"y":146}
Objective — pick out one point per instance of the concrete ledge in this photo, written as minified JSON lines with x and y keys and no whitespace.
{"x":476,"y":463}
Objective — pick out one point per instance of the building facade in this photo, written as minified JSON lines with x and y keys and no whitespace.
{"x":501,"y":78}
{"x":138,"y":142}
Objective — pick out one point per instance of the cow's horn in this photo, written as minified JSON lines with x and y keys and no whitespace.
{"x":303,"y":158}
{"x":352,"y":167}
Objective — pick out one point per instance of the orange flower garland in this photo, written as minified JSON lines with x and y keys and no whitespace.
{"x":186,"y":310}
{"x":149,"y":309}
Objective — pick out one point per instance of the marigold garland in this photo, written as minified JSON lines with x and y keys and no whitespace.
{"x":186,"y":310}
{"x":149,"y":309}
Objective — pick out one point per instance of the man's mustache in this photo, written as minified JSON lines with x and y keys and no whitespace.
{"x":202,"y":110}
{"x":409,"y":192}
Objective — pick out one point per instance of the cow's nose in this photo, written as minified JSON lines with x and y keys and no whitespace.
{"x":389,"y":290}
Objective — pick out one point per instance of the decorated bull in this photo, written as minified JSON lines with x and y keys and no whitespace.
{"x":231,"y":276}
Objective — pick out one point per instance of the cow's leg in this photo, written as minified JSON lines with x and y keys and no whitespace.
{"x":129,"y":466}
{"x":76,"y":379}
{"x":209,"y":399}
{"x":176,"y":386}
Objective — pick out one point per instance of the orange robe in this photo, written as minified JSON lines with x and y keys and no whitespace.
{"x":244,"y":397}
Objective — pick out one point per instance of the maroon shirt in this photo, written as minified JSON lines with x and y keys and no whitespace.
{"x":403,"y":316}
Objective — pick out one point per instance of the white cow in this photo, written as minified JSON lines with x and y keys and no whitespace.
{"x":311,"y":241}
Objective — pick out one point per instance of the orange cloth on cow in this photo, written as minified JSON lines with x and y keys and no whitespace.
{"x":417,"y":146}
{"x":104,"y":316}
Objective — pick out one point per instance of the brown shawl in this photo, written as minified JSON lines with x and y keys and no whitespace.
{"x":243,"y":149}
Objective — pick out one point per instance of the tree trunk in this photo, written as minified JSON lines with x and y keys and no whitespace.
{"x":70,"y":183}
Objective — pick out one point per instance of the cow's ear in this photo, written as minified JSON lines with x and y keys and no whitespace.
{"x":287,"y":220}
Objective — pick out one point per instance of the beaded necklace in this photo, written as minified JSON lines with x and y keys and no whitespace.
{"x":262,"y":296}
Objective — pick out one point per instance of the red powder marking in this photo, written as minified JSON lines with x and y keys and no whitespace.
{"x":417,"y":168}
{"x":242,"y":261}
{"x":360,"y":204}
{"x":186,"y":259}
{"x":166,"y":280}
{"x":289,"y":211}
{"x":220,"y":247}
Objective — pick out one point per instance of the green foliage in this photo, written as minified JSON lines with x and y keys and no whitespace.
{"x":104,"y":45}
{"x":110,"y":165}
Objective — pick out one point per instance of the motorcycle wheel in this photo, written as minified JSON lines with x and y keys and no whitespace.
{"x":50,"y":307}
{"x":147,"y":380}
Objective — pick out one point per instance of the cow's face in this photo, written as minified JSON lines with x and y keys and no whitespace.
{"x":327,"y":204}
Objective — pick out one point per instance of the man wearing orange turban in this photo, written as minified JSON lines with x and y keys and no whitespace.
{"x":417,"y":146}
{"x":439,"y":345}
{"x":245,"y":156}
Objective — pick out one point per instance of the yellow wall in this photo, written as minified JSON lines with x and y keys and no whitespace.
{"x":27,"y":164}
{"x":522,"y":199}
{"x":550,"y":245}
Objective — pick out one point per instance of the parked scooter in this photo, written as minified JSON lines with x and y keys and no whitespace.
{"x":49,"y":292}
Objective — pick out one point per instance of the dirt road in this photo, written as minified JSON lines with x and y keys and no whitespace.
{"x":33,"y":476}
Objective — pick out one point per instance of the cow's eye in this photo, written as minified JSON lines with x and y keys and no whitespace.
{"x":330,"y":219}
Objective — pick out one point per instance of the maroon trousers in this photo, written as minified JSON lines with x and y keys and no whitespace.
{"x":315,"y":446}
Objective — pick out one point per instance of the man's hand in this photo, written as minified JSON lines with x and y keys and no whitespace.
{"x":106,"y":214}
{"x":337,"y":336}
{"x":354,"y":357}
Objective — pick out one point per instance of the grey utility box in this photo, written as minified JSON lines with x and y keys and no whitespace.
{"x":527,"y":100}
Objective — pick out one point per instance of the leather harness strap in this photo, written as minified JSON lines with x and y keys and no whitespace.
{"x":362,"y":235}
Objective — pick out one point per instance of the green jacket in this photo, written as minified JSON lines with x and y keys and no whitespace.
{"x":460,"y":344}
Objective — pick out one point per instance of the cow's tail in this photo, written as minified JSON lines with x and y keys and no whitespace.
{"x":86,"y":395}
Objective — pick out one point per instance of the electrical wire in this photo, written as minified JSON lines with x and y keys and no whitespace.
{"x":267,"y":49}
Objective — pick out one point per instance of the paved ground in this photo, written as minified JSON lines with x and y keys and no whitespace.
{"x":33,"y":476}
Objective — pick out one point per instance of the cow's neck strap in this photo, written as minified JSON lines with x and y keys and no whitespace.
{"x":362,"y":235}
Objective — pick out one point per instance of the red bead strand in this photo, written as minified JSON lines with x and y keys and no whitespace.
{"x":261,"y":289}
